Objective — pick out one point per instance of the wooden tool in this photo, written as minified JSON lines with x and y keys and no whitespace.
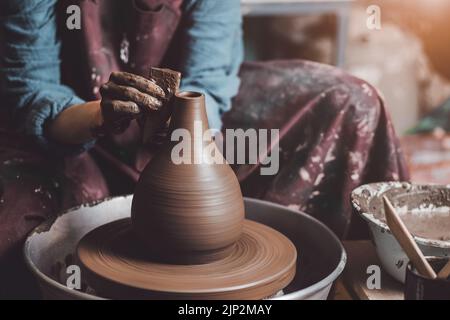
{"x":406,"y":240}
{"x":445,"y":272}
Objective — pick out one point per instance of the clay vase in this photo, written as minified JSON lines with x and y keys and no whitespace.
{"x":190,"y":212}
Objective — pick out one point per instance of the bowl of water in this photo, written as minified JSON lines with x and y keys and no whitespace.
{"x":425,"y":210}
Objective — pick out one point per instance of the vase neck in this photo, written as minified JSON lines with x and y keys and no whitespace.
{"x":189,"y":112}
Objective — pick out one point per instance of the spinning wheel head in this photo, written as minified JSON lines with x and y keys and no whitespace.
{"x":261,"y":263}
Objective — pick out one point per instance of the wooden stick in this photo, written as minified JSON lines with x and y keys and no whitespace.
{"x":406,"y":241}
{"x":445,"y":272}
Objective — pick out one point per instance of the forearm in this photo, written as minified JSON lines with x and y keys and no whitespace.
{"x":75,"y":124}
{"x":30,"y":76}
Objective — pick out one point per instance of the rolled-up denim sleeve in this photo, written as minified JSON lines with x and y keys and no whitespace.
{"x":30,"y":69}
{"x":212,"y":53}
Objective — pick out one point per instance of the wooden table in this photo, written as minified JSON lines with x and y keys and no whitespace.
{"x":340,"y":8}
{"x":353,"y":283}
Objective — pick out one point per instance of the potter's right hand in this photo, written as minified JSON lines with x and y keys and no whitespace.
{"x":125,"y":97}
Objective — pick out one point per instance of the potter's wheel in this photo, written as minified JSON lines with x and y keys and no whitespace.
{"x":321,"y":254}
{"x":262,"y":262}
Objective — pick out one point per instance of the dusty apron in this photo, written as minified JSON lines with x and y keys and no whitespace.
{"x":335,"y":133}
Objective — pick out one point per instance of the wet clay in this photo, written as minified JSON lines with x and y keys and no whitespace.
{"x":428,"y":222}
{"x":425,"y":210}
{"x":261,"y":263}
{"x":189,"y":207}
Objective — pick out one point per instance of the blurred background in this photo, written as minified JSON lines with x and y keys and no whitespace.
{"x":406,"y":56}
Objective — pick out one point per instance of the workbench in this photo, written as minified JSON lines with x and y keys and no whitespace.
{"x":352,"y":285}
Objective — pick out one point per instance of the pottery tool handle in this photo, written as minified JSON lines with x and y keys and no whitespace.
{"x":445,"y":272}
{"x":406,"y":241}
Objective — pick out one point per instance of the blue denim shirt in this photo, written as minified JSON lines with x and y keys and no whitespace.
{"x":30,"y":67}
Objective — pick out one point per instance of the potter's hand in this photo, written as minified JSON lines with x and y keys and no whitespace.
{"x":125,"y":97}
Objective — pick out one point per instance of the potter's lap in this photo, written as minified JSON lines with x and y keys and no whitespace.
{"x":271,"y":92}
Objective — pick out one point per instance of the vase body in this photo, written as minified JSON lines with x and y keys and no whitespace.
{"x":190,"y":210}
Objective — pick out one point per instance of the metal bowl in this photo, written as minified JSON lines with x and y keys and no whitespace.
{"x":49,"y":249}
{"x":367,"y":200}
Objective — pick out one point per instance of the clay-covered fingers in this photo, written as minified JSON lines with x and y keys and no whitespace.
{"x":140,"y":83}
{"x":114,"y":91}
